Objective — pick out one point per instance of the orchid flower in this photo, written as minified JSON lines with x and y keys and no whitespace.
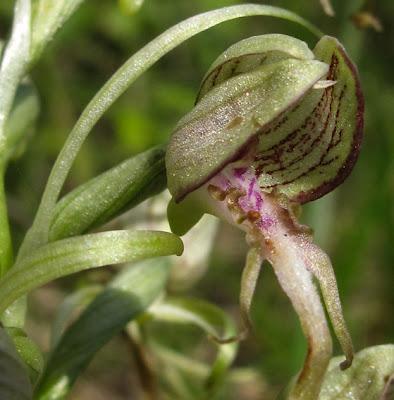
{"x":275,"y":125}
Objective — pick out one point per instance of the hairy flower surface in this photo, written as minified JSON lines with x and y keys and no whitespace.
{"x":275,"y":125}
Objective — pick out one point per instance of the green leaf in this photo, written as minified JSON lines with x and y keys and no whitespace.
{"x":109,"y":194}
{"x":76,"y":301}
{"x":14,"y":63}
{"x":14,"y":381}
{"x":211,"y":320}
{"x":130,"y":293}
{"x":366,"y":379}
{"x":22,"y":119}
{"x":67,"y":256}
{"x":48,"y":18}
{"x":28,"y":352}
{"x":230,"y":117}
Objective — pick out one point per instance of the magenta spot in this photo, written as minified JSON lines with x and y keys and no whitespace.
{"x":266,"y":222}
{"x":238,"y":172}
{"x":251,"y":187}
{"x":259,"y":201}
{"x":245,"y":204}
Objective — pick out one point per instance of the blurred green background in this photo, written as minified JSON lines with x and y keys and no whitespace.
{"x":355,"y":224}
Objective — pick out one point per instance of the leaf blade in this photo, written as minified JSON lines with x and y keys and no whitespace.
{"x":109,"y":194}
{"x":129,"y":294}
{"x":48,"y":17}
{"x":210,"y":319}
{"x":67,"y":256}
{"x":14,"y":63}
{"x":14,"y":381}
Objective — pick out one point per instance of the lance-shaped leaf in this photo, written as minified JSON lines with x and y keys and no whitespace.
{"x":73,"y":303}
{"x":21,"y":120}
{"x":14,"y":63}
{"x":368,"y":378}
{"x":131,"y":292}
{"x":14,"y":381}
{"x":28,"y":351}
{"x":67,"y":256}
{"x":211,"y":320}
{"x":48,"y":17}
{"x":109,"y":194}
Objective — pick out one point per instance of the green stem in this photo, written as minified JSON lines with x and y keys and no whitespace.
{"x":117,"y":85}
{"x":5,"y":236}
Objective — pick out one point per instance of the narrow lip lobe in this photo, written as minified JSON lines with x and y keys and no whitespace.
{"x":350,"y":161}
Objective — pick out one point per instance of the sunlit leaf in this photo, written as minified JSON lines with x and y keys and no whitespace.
{"x":14,"y":63}
{"x":131,"y":292}
{"x":104,"y":197}
{"x":68,"y":256}
{"x":48,"y":18}
{"x":366,"y":379}
{"x":14,"y":381}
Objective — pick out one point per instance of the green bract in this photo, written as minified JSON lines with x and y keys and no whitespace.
{"x":263,"y":96}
